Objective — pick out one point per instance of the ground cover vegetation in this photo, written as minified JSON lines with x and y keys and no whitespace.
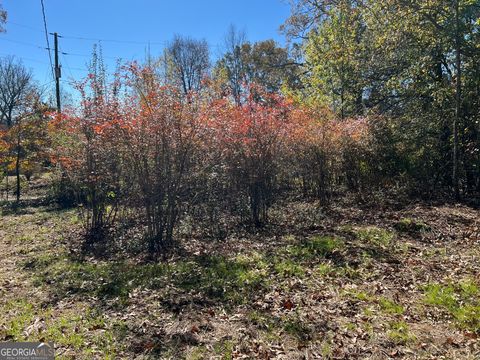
{"x":318,"y":200}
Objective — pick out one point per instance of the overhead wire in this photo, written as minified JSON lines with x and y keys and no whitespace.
{"x":25,"y":26}
{"x":23,"y":43}
{"x":163,"y":43}
{"x":46,"y":37}
{"x":26,"y":58}
{"x":66,"y":54}
{"x":121,"y":41}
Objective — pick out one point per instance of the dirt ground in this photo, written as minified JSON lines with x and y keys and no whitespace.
{"x":343,"y":282}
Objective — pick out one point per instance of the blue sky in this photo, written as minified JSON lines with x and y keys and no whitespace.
{"x":139,"y":22}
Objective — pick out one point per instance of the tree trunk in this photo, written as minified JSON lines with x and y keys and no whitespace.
{"x":6,"y":172}
{"x":17,"y":166}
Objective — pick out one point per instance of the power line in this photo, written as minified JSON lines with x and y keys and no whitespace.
{"x":83,"y":55}
{"x":39,"y":61}
{"x":120,"y":41}
{"x":93,"y":39}
{"x":66,"y":63}
{"x":65,"y":54}
{"x":46,"y":36}
{"x":25,"y":26}
{"x":69,"y":68}
{"x":25,"y":58}
{"x":44,"y":48}
{"x":163,"y":43}
{"x":23,"y":43}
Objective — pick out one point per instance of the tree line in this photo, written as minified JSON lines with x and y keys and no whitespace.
{"x":366,"y":96}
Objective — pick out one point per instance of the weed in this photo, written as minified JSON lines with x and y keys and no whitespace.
{"x":74,"y":329}
{"x":461,"y":301}
{"x":399,"y":333}
{"x":375,"y":236}
{"x":198,"y":353}
{"x":317,"y":246}
{"x":411,"y":226}
{"x":360,"y":295}
{"x":390,"y":307}
{"x":224,"y":348}
{"x":324,"y":269}
{"x":288,"y":268}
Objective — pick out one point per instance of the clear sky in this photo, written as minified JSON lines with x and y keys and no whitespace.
{"x":132,"y":24}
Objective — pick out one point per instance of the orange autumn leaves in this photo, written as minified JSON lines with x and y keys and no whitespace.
{"x":141,"y":143}
{"x":263,"y":121}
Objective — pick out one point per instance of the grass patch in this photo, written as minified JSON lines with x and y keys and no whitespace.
{"x":77,"y":329}
{"x":324,"y":269}
{"x":461,"y":301}
{"x":359,"y":295}
{"x":214,"y":276}
{"x":269,"y":325}
{"x":374,"y":236}
{"x":349,"y":272}
{"x":390,"y":307}
{"x":272,"y":327}
{"x":222,"y":278}
{"x":287,"y":268}
{"x":400,"y":334}
{"x":293,"y":260}
{"x":315,"y":247}
{"x":224,"y":348}
{"x":409,"y":225}
{"x":326,"y":348}
{"x":198,"y":353}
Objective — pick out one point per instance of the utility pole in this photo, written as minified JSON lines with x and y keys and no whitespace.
{"x":58,"y":73}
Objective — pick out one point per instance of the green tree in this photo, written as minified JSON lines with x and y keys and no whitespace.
{"x":264,"y":63}
{"x":415,"y":62}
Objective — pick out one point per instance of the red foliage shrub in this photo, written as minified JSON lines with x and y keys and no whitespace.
{"x":166,"y":154}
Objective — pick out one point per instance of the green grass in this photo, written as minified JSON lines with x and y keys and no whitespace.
{"x":75,"y":329}
{"x":399,"y":333}
{"x":262,"y":320}
{"x":362,"y":296}
{"x":215,"y":277}
{"x":198,"y":353}
{"x":224,"y":348}
{"x":375,"y":236}
{"x":287,"y":268}
{"x":273,"y":328}
{"x":326,"y":349}
{"x":390,"y":307}
{"x":314,"y":248}
{"x":350,"y":326}
{"x":17,"y":315}
{"x":368,"y":311}
{"x":461,"y":301}
{"x":358,"y":295}
{"x":441,"y":295}
{"x":324,"y":269}
{"x":348,"y":272}
{"x":411,"y":225}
